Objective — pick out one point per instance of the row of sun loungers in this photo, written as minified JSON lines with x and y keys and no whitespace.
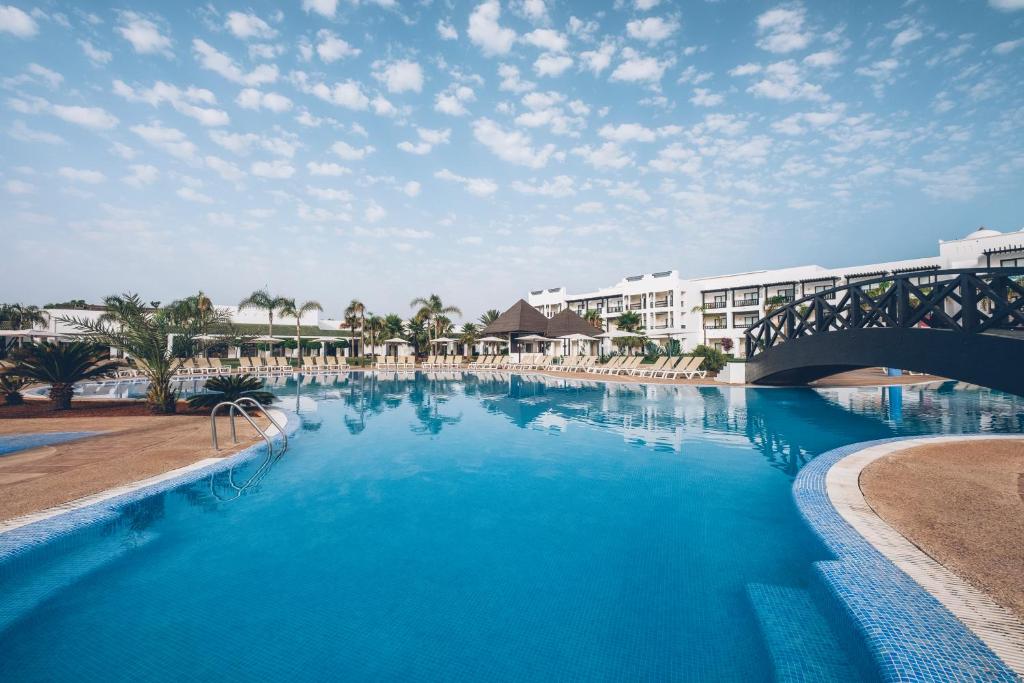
{"x":439,"y":362}
{"x":397,"y":363}
{"x":632,"y":366}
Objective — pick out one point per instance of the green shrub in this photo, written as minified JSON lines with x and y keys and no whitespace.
{"x":714,"y":360}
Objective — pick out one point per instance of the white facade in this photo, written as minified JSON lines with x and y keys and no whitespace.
{"x":716,"y":310}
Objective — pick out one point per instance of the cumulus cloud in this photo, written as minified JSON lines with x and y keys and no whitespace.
{"x":185,"y":101}
{"x":703,"y":97}
{"x":453,"y":99}
{"x":547,"y":39}
{"x":636,"y":68}
{"x":782,"y":29}
{"x":22,"y":132}
{"x":81,"y":175}
{"x":628,"y":132}
{"x":428,"y":139}
{"x":278,"y":169}
{"x":348,"y":94}
{"x":785,"y":81}
{"x":143,"y":34}
{"x":411,"y":188}
{"x":607,"y":156}
{"x":97,"y":56}
{"x":552,"y":64}
{"x":511,"y":81}
{"x":598,"y":60}
{"x":511,"y":145}
{"x":330,"y":48}
{"x":16,"y":22}
{"x":1007,"y":5}
{"x":399,"y":76}
{"x":481,"y":187}
{"x":558,"y":187}
{"x":446,"y":31}
{"x":216,"y":61}
{"x":325,"y":8}
{"x":350,"y":153}
{"x":96,"y":118}
{"x":652,"y":30}
{"x":327,"y":169}
{"x":486,"y":33}
{"x":191,"y":194}
{"x":245,"y":25}
{"x":250,"y":98}
{"x":225,"y":169}
{"x":170,"y":140}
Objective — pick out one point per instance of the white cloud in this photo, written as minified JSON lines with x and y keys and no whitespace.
{"x":598,"y":60}
{"x":16,"y":22}
{"x":452,"y":100}
{"x":636,"y":68}
{"x":589,"y":207}
{"x":212,"y":59}
{"x":652,"y":30}
{"x":411,"y":188}
{"x":607,"y":156}
{"x":534,"y":10}
{"x":170,"y":140}
{"x":331,"y":48}
{"x":513,"y":146}
{"x":552,"y":65}
{"x":183,"y":101}
{"x":481,"y":187}
{"x":327,"y":169}
{"x":559,"y":186}
{"x":446,"y":31}
{"x":95,"y":55}
{"x":628,"y":132}
{"x":428,"y":139}
{"x":225,"y":169}
{"x":510,"y":80}
{"x":278,"y":168}
{"x":348,"y":94}
{"x":374,"y":212}
{"x":245,"y":26}
{"x":644,"y":5}
{"x":19,"y":187}
{"x":485,"y":31}
{"x":745,"y":70}
{"x":677,"y":158}
{"x":823,"y":59}
{"x":703,"y":97}
{"x":191,"y":194}
{"x":142,"y":174}
{"x":782,"y":29}
{"x":881,"y":72}
{"x":143,"y":34}
{"x":88,"y":117}
{"x":1008,"y":46}
{"x":350,"y":153}
{"x":547,"y":39}
{"x":906,"y":36}
{"x":784,"y":81}
{"x":1007,"y":5}
{"x":81,"y":175}
{"x":325,"y":8}
{"x":250,"y":98}
{"x":20,"y":131}
{"x":399,"y":76}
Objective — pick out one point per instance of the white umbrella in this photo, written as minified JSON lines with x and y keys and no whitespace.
{"x":493,"y":339}
{"x":576,"y":336}
{"x":534,"y":337}
{"x":618,"y":334}
{"x":444,"y":340}
{"x":395,"y":340}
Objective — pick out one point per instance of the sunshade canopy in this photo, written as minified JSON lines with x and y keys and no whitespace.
{"x":535,"y":338}
{"x":578,"y":337}
{"x":395,"y":340}
{"x":492,"y":339}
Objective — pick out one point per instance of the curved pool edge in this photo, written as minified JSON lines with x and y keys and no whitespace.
{"x":22,"y":534}
{"x":906,"y":631}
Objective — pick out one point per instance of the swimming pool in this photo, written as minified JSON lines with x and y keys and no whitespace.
{"x":468,"y":527}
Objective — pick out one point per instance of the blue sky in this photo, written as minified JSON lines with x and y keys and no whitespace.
{"x":385,"y":150}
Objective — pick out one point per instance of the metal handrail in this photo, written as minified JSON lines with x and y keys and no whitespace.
{"x":234,"y":436}
{"x":266,"y":414}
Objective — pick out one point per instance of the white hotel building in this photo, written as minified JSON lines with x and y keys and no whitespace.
{"x":715,"y":309}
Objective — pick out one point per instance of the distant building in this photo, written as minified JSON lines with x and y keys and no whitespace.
{"x":715,"y":309}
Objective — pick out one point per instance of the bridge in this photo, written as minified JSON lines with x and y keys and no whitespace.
{"x":965,"y":324}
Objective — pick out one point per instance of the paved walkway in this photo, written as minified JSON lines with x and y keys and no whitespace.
{"x":129,"y":450}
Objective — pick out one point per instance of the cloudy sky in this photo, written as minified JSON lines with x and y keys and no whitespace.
{"x":334,"y":149}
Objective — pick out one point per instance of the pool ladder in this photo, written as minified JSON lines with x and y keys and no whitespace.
{"x":237,"y":406}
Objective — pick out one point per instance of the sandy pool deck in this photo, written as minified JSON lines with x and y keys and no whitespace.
{"x":962,"y":503}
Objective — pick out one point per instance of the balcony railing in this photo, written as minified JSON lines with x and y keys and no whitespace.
{"x":615,"y":309}
{"x":716,"y":326}
{"x":661,"y":304}
{"x":634,"y":307}
{"x":747,"y":302}
{"x":708,"y":305}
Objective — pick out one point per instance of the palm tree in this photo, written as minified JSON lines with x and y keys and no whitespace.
{"x":231,"y":388}
{"x":419,"y":335}
{"x":699,"y":308}
{"x":375,"y":326}
{"x":468,"y":336}
{"x":431,"y":308}
{"x":357,"y":309}
{"x":11,"y":386}
{"x":489,"y":316}
{"x":143,"y":333}
{"x":61,"y":366}
{"x":593,"y":317}
{"x":19,"y":317}
{"x":290,"y":307}
{"x":262,"y":300}
{"x":394,"y":326}
{"x":630,"y":322}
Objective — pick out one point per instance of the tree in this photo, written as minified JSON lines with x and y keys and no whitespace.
{"x":62,"y":366}
{"x":143,"y":333}
{"x":714,"y":360}
{"x":431,"y":308}
{"x":375,"y":326}
{"x":290,"y":307}
{"x":727,"y":345}
{"x":75,"y":304}
{"x":394,"y":326}
{"x":357,"y":309}
{"x":470,"y":333}
{"x":630,"y":322}
{"x":419,"y":335}
{"x":594,"y":318}
{"x":11,"y":386}
{"x":19,"y":317}
{"x":489,"y":316}
{"x":231,"y":388}
{"x":261,"y":300}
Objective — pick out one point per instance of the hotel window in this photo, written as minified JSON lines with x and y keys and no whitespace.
{"x":1012,"y":262}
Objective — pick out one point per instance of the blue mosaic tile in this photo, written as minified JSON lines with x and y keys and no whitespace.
{"x":908,"y":633}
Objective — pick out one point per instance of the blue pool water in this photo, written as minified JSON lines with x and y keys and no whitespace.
{"x":477,"y":527}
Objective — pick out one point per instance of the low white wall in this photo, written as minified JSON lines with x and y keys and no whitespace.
{"x":733,"y":373}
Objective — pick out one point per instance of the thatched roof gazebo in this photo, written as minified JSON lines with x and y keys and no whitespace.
{"x":569,"y":322}
{"x":521,"y":319}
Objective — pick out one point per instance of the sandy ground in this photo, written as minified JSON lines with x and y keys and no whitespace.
{"x":132,"y":448}
{"x":963,"y":504}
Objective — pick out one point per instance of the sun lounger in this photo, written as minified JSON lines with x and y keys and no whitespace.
{"x":629,"y":365}
{"x":610,"y":367}
{"x":649,"y":370}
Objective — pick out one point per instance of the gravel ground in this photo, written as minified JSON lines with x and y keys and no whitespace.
{"x":963,"y":504}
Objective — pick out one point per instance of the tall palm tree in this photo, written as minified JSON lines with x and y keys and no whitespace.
{"x":142,"y":332}
{"x":357,"y":309}
{"x":593,"y":317}
{"x":431,"y":308}
{"x":489,"y":316}
{"x":375,"y":326}
{"x":19,"y":317}
{"x":61,"y":366}
{"x":394,"y":326}
{"x":289,"y":307}
{"x":470,"y":333}
{"x":261,"y":299}
{"x":630,"y":322}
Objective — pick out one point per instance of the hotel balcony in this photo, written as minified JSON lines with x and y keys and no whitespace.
{"x":752,"y":301}
{"x":634,"y":307}
{"x":722,"y":325}
{"x":710,"y":305}
{"x":661,"y":304}
{"x":614,"y":309}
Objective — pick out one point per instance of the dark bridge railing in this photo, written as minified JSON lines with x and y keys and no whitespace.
{"x":965,"y":301}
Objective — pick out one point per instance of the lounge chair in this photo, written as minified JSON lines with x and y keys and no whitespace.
{"x":611,"y":366}
{"x":649,"y":370}
{"x":627,"y":367}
